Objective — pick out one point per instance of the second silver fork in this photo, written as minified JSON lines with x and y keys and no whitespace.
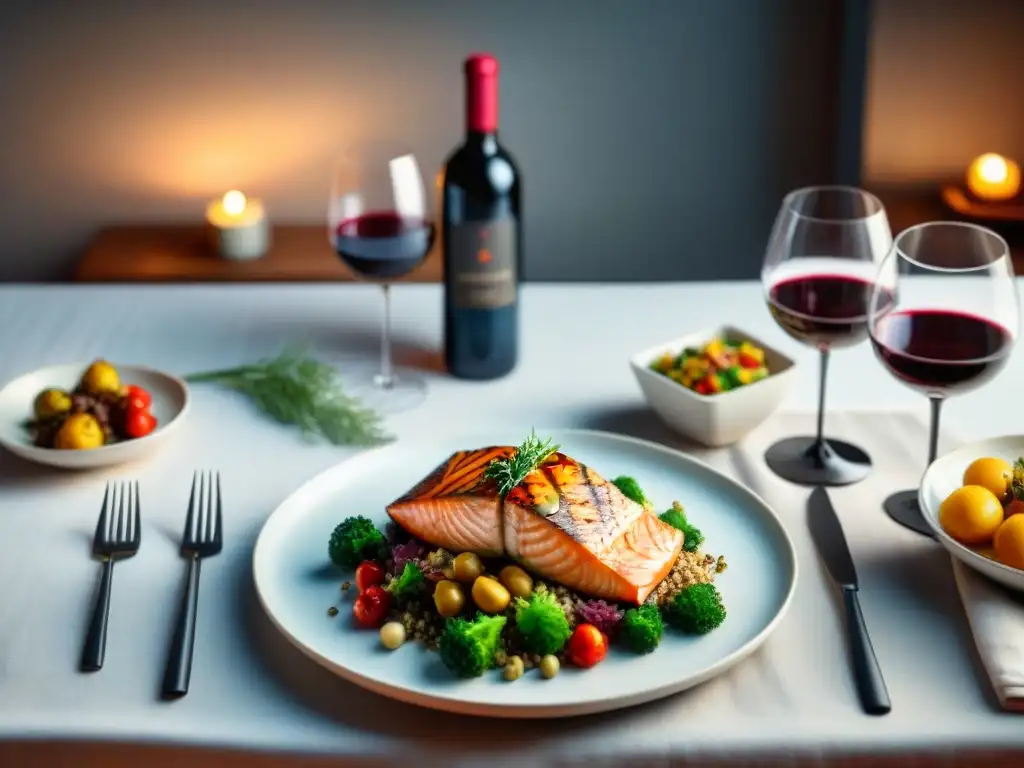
{"x":118,"y":534}
{"x":203,"y":537}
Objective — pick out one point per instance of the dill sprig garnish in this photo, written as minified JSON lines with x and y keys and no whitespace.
{"x":508,"y":473}
{"x":1017,"y":481}
{"x":301,"y":391}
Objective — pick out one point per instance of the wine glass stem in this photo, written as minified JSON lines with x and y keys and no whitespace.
{"x":933,"y":430}
{"x":823,"y":375}
{"x":386,"y":378}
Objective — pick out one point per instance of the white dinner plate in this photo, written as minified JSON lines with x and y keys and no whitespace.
{"x":170,"y":405}
{"x":296,"y":582}
{"x":943,"y":477}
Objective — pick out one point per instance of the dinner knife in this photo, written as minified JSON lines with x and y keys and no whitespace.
{"x":828,"y":536}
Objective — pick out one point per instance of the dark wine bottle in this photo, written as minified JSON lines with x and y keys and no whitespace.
{"x":481,"y":235}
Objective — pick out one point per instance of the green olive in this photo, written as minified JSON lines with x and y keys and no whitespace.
{"x":549,"y":666}
{"x":516,"y":580}
{"x":514,"y":668}
{"x":467,"y":567}
{"x":52,"y":402}
{"x":448,"y":598}
{"x":489,"y":595}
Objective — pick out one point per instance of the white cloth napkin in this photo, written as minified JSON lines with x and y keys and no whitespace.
{"x":996,"y":616}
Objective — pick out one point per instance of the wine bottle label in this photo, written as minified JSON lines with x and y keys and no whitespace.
{"x":482,"y":263}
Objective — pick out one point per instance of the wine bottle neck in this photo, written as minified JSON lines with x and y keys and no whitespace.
{"x":481,"y":94}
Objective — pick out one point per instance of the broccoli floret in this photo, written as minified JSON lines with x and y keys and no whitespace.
{"x":408,"y":584}
{"x":354,"y":540}
{"x":542,"y":623}
{"x":696,"y":610}
{"x":676,"y":517}
{"x":467,"y":648}
{"x":630,"y":489}
{"x":641,"y":628}
{"x":692,"y":538}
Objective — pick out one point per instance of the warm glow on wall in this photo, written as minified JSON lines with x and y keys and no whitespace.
{"x":993,"y":178}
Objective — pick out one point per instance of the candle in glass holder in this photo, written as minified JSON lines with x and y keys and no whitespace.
{"x":993,"y":178}
{"x":238,"y":226}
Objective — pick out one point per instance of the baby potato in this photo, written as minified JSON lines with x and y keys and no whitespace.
{"x":467,"y":567}
{"x":490,"y":595}
{"x":516,"y":580}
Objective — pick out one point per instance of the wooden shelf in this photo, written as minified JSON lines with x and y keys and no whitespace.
{"x":180,"y":254}
{"x":907,"y":207}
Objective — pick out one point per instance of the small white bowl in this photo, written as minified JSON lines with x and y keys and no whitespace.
{"x":944,"y":476}
{"x":723,"y":418}
{"x":170,"y":404}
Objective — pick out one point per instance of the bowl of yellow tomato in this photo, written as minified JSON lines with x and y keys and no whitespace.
{"x":973,"y":500}
{"x":90,"y":415}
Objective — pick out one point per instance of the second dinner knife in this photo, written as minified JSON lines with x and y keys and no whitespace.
{"x":827,"y":532}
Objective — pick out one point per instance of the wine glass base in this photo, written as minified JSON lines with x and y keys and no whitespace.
{"x":803,"y":461}
{"x":903,"y":507}
{"x":404,"y":391}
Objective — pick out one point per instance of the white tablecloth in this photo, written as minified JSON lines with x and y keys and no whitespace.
{"x":251,"y":690}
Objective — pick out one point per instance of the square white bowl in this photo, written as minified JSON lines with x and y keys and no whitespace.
{"x":719,"y":419}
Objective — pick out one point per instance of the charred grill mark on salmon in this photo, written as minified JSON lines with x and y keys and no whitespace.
{"x":564,"y":521}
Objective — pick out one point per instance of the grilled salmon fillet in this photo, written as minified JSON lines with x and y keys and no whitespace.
{"x":455,"y":506}
{"x":564,"y":522}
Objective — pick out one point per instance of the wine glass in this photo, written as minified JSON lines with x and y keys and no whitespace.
{"x":945,"y":317}
{"x":378,"y":224}
{"x":818,"y":275}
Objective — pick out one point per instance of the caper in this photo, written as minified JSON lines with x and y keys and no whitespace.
{"x":549,"y":666}
{"x":516,"y":580}
{"x":448,"y":598}
{"x":490,"y":596}
{"x":467,"y":567}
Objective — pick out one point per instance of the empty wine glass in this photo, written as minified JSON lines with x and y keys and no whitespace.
{"x":818,"y":275}
{"x":379,"y":226}
{"x":945,"y":318}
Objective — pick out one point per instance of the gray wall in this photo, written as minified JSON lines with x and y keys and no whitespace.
{"x":656,"y":136}
{"x":945,"y":84}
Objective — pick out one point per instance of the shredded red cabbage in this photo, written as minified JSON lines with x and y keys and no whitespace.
{"x":411,"y":550}
{"x":602,"y":615}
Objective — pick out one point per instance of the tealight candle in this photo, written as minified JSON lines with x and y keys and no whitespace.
{"x":238,"y":226}
{"x":993,"y":178}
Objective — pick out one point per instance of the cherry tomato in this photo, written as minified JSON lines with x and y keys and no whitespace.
{"x":369,"y":574}
{"x":139,"y":423}
{"x":370,"y":609}
{"x":136,"y":398}
{"x":587,"y":646}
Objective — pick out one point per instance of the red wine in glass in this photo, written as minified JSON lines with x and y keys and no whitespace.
{"x":941,"y":352}
{"x":822,"y":309}
{"x":943,"y":338}
{"x":383,"y":244}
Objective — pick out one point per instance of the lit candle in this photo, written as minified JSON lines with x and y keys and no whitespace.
{"x":238,"y":226}
{"x":993,"y":178}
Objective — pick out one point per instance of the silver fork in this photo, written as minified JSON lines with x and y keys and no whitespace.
{"x":203,"y":537}
{"x":117,"y":537}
